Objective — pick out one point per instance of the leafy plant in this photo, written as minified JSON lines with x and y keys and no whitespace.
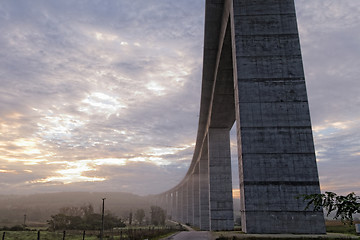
{"x":343,"y":206}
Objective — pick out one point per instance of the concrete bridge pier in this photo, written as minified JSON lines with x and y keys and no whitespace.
{"x":220,"y":180}
{"x":168,"y":204}
{"x":276,"y":151}
{"x":196,"y":195}
{"x":204,"y":188}
{"x":184,"y":188}
{"x":180,"y":205}
{"x":190,"y":200}
{"x":252,"y":74}
{"x":173,"y":205}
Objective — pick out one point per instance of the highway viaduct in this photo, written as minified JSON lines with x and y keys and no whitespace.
{"x":252,"y":76}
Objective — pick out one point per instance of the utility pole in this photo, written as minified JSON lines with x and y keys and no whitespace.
{"x":102,"y":219}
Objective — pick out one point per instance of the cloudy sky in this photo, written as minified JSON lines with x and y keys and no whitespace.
{"x":104,"y":95}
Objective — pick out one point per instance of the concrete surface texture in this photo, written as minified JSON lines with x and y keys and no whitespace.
{"x":252,"y":75}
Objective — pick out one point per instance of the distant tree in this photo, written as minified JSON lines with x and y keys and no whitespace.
{"x":139,"y":215}
{"x":71,"y":211}
{"x":112,"y":221}
{"x":88,"y":220}
{"x":157,"y":215}
{"x":87,"y":209}
{"x":75,"y":222}
{"x":58,"y":221}
{"x":147,"y":221}
{"x":345,"y":206}
{"x":17,"y":228}
{"x":130,"y":217}
{"x":92,"y":221}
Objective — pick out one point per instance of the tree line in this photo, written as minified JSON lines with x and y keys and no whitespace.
{"x":71,"y":218}
{"x":84,"y":218}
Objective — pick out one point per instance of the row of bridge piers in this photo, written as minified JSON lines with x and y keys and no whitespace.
{"x":252,"y":76}
{"x":204,"y":198}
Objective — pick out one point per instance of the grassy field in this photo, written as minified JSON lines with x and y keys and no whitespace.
{"x":44,"y":235}
{"x":334,"y":226}
{"x":150,"y":233}
{"x":336,"y":231}
{"x":135,"y":233}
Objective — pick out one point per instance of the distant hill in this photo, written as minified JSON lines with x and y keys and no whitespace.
{"x":39,"y":207}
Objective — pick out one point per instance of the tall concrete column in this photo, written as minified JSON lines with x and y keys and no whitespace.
{"x":190,"y":200}
{"x":162,"y":202}
{"x":253,"y":73}
{"x":204,"y":188}
{"x":173,"y":205}
{"x":181,"y":209}
{"x":179,"y":204}
{"x":196,"y":194}
{"x":220,"y":181}
{"x":275,"y":142}
{"x":185,"y":203}
{"x":168,"y":205}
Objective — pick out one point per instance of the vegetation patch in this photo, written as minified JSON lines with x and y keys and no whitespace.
{"x":333,"y":226}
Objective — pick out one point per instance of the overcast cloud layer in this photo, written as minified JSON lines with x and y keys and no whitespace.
{"x":104,"y":95}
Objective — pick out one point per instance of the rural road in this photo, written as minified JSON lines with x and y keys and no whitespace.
{"x":198,"y":235}
{"x":189,"y":234}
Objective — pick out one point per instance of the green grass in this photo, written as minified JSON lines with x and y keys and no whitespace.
{"x":255,"y":238}
{"x":341,"y":229}
{"x":44,"y":235}
{"x":29,"y":235}
{"x":332,"y":226}
{"x":136,"y":233}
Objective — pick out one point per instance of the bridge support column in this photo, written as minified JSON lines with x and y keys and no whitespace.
{"x":168,"y":205}
{"x":179,"y":204}
{"x":162,"y":203}
{"x":220,"y":181}
{"x":196,"y":194}
{"x":276,"y":150}
{"x":184,"y":188}
{"x":204,"y":188}
{"x":190,"y":200}
{"x":173,"y":205}
{"x":253,"y":73}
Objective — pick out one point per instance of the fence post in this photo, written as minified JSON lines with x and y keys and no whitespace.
{"x":38,"y":238}
{"x":83,"y":235}
{"x":3,"y":237}
{"x":64,"y":234}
